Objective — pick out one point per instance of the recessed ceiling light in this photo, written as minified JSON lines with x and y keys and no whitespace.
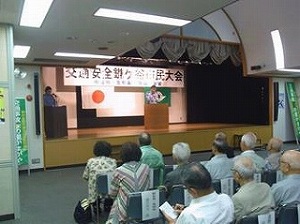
{"x":34,"y":12}
{"x":21,"y":51}
{"x":140,"y":17}
{"x":78,"y":55}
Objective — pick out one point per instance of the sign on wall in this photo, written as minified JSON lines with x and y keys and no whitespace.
{"x":21,"y":132}
{"x":294,"y":108}
{"x":124,"y":76}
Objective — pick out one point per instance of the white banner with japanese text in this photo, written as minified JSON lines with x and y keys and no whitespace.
{"x":124,"y":76}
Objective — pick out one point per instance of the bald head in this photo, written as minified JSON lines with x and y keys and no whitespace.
{"x":144,"y":139}
{"x":274,"y":145}
{"x":292,"y":157}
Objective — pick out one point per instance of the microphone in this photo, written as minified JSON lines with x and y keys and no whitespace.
{"x":53,"y":94}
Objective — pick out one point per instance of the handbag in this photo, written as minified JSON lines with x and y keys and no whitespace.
{"x":83,"y":212}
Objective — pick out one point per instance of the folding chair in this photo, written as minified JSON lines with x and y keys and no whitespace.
{"x":288,"y":214}
{"x":102,"y":188}
{"x":135,"y":209}
{"x":176,"y":195}
{"x":269,"y":177}
{"x":267,"y":218}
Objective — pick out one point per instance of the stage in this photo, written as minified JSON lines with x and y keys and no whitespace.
{"x":77,"y":147}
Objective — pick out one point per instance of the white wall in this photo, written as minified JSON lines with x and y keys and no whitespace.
{"x":24,"y":87}
{"x":255,"y":19}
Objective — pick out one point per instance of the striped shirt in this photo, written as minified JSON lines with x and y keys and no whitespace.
{"x":130,"y":177}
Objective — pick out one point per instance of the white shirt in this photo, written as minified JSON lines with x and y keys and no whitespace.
{"x":209,"y":209}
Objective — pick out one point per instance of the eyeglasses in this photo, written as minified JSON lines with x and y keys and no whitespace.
{"x":284,"y":162}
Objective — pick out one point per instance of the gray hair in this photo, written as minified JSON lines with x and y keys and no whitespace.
{"x":249,"y":139}
{"x":275,"y":144}
{"x":181,"y":151}
{"x":245,"y":167}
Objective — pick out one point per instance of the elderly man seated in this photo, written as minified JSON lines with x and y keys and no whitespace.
{"x":252,"y":198}
{"x":247,"y":144}
{"x":287,"y":191}
{"x":181,"y":153}
{"x":274,"y":149}
{"x":206,"y":206}
{"x":219,"y":166}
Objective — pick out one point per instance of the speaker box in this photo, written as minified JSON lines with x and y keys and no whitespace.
{"x":276,"y":99}
{"x":37,"y":104}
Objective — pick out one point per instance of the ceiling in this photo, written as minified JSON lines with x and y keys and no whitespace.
{"x":71,"y":27}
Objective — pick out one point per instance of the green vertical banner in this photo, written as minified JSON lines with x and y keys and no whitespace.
{"x":21,"y":132}
{"x":2,"y":106}
{"x":164,"y":93}
{"x":294,"y":107}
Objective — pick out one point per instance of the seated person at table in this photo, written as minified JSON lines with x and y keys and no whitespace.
{"x":247,"y":144}
{"x":181,"y":154}
{"x":252,"y":198}
{"x":206,"y":206}
{"x":100,"y":164}
{"x":219,"y":166}
{"x":274,"y":149}
{"x":287,"y":191}
{"x":151,"y":156}
{"x":132,"y":176}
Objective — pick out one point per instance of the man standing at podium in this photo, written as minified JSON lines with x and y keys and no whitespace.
{"x":153,"y":96}
{"x":49,"y":98}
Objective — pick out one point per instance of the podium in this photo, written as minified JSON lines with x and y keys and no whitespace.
{"x":156,"y":116}
{"x":55,"y":120}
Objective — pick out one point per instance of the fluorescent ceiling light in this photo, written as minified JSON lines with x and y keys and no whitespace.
{"x":34,"y":12}
{"x":21,"y":51}
{"x":77,"y":55}
{"x":118,"y":14}
{"x":278,"y":49}
{"x":289,"y":70}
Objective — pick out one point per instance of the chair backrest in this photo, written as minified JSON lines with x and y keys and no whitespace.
{"x":135,"y":205}
{"x":288,"y":214}
{"x":267,"y":218}
{"x":168,"y":169}
{"x":177,"y":195}
{"x":269,"y":177}
{"x":154,"y":178}
{"x":227,"y":186}
{"x":103,"y":183}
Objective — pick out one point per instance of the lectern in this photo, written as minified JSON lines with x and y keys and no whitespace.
{"x":55,"y":122}
{"x":156,"y":116}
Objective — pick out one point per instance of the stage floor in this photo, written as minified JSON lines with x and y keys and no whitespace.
{"x":136,"y":130}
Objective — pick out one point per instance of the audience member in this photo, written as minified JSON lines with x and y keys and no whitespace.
{"x":248,"y":143}
{"x":151,"y":156}
{"x":274,"y":149}
{"x":132,"y":176}
{"x":287,"y":191}
{"x":181,"y":154}
{"x":220,"y":165}
{"x":100,"y":164}
{"x":252,"y":198}
{"x":206,"y":206}
{"x":221,"y":136}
